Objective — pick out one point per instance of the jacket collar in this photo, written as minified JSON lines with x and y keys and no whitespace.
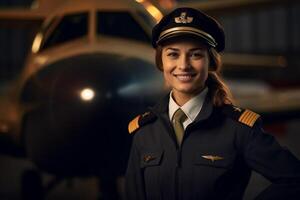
{"x":162,"y":107}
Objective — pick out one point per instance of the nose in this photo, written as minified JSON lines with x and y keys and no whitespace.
{"x":184,"y":62}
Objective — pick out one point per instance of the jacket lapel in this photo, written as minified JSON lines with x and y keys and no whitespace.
{"x":161,"y":110}
{"x":206,"y":110}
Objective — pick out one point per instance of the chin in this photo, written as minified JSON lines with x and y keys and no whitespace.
{"x":186,"y":91}
{"x":189,"y":90}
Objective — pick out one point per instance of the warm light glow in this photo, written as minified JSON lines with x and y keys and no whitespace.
{"x":4,"y":128}
{"x":154,"y":12}
{"x":282,"y":62}
{"x":151,"y":9}
{"x":37,"y":43}
{"x":41,"y":60}
{"x":87,"y":94}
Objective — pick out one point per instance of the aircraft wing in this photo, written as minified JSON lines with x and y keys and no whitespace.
{"x":273,"y":104}
{"x":32,"y":15}
{"x":283,"y":101}
{"x":21,"y":17}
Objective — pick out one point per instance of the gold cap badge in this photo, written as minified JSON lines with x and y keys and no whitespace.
{"x":183,"y":19}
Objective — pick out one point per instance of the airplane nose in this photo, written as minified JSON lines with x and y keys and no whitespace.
{"x":85,"y":104}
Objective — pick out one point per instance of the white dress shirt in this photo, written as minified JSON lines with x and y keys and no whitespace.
{"x":191,"y":108}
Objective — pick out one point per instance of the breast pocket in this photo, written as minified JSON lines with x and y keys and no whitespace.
{"x":208,"y":169}
{"x":215,"y":160}
{"x":150,"y":162}
{"x":150,"y":158}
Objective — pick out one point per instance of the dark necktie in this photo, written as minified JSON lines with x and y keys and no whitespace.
{"x":178,"y":118}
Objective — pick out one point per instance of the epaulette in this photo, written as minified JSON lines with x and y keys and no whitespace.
{"x":241,"y":115}
{"x":139,"y":121}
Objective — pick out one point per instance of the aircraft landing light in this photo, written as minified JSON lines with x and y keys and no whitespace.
{"x":4,"y":128}
{"x":37,"y":43}
{"x":87,"y":94}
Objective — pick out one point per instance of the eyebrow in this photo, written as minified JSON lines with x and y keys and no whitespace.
{"x":171,"y":48}
{"x":197,"y":48}
{"x":193,"y":49}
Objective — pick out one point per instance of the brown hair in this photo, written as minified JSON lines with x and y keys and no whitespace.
{"x":218,"y":90}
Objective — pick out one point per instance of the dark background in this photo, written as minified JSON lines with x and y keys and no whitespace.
{"x":264,"y":30}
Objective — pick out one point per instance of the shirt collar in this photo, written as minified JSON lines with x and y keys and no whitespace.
{"x":191,"y":108}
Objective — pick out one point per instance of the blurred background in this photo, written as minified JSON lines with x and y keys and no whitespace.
{"x":73,"y":73}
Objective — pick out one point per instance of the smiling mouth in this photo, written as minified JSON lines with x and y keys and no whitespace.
{"x":185,"y":77}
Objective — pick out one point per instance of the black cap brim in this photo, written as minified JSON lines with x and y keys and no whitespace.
{"x":186,"y":32}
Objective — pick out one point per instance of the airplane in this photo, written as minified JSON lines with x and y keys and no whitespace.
{"x":69,"y":108}
{"x":90,"y":71}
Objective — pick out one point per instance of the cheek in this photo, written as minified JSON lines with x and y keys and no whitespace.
{"x":205,"y":72}
{"x":205,"y":68}
{"x":167,"y":75}
{"x":205,"y":76}
{"x":167,"y":72}
{"x":167,"y":66}
{"x":167,"y":63}
{"x":202,"y":68}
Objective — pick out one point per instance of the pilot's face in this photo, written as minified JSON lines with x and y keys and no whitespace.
{"x":185,"y":67}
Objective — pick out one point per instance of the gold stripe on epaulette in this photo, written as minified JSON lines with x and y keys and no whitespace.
{"x":248,"y":117}
{"x":134,"y":124}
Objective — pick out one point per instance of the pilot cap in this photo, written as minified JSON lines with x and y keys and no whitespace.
{"x":192,"y":22}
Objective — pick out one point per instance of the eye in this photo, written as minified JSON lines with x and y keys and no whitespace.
{"x":173,"y":54}
{"x":197,"y":55}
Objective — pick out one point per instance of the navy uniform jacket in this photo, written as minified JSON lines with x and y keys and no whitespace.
{"x":215,"y":160}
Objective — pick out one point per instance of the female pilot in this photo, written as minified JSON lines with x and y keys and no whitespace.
{"x":194,"y":144}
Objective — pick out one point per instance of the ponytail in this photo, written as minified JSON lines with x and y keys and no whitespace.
{"x":218,"y":90}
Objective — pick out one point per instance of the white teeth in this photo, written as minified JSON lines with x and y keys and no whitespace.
{"x":184,"y":77}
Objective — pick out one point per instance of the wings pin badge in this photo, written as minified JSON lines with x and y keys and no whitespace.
{"x":212,"y":158}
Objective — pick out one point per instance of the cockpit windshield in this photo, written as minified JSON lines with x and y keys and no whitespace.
{"x":70,"y":27}
{"x":120,"y":24}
